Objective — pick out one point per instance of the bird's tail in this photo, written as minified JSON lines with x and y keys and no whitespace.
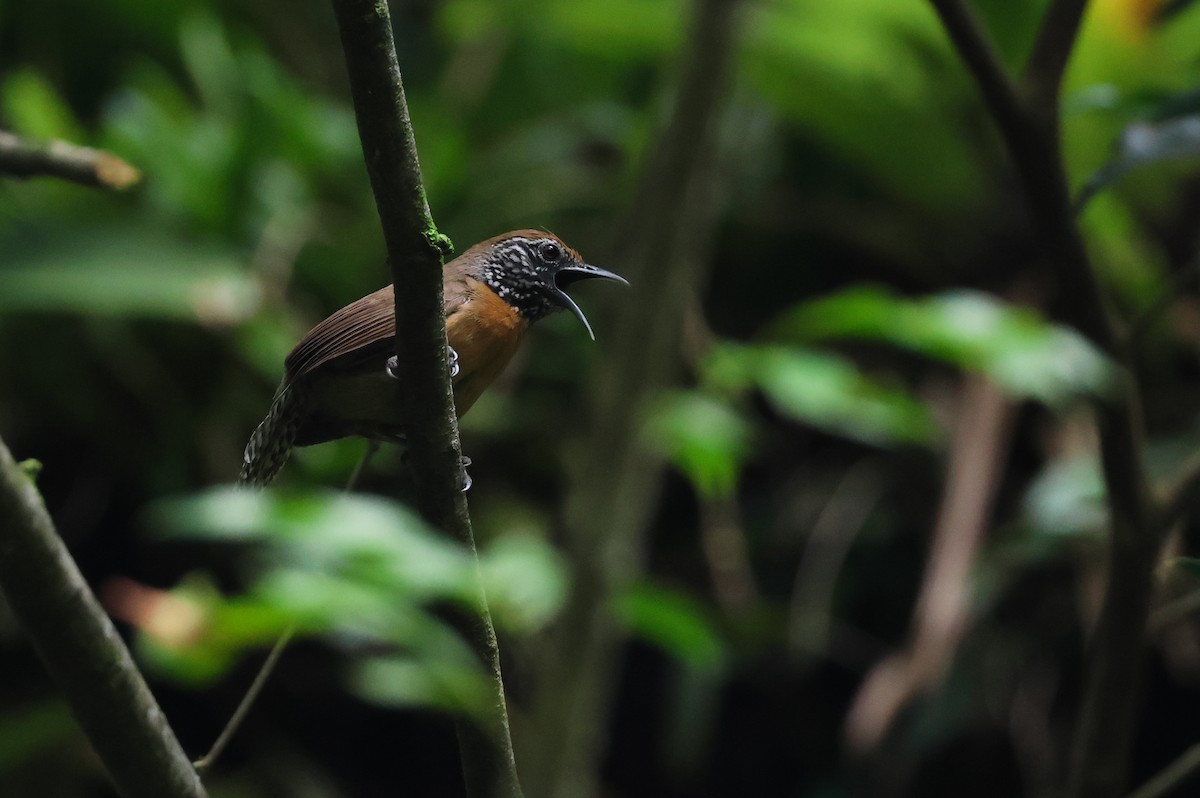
{"x":271,"y":443}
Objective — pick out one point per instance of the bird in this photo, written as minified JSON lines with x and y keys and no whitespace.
{"x":339,"y":380}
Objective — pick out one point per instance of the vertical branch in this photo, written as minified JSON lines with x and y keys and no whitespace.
{"x":82,"y":650}
{"x":1029,"y":127}
{"x":973,"y":474}
{"x":415,"y":253}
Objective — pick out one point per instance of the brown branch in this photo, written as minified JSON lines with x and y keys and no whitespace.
{"x":1052,"y":50}
{"x":1029,"y":128}
{"x":24,"y":159}
{"x":82,"y":650}
{"x":973,"y":474}
{"x":415,"y":253}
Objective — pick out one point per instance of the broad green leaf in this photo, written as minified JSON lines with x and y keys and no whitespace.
{"x":405,"y":681}
{"x":129,"y":273}
{"x":355,"y":567}
{"x":32,"y":107}
{"x":1023,"y":353}
{"x":822,"y":389}
{"x":1067,"y":498}
{"x":33,"y":729}
{"x":704,"y":437}
{"x":525,"y":581}
{"x":673,"y":621}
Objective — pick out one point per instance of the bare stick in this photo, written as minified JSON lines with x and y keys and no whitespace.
{"x":1172,"y":776}
{"x":415,"y":252}
{"x":82,"y":650}
{"x":24,"y":159}
{"x":206,"y":762}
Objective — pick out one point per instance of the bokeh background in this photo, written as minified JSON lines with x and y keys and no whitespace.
{"x":831,"y":525}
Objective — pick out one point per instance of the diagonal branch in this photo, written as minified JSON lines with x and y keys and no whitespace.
{"x":82,"y":650}
{"x":1052,"y":49}
{"x":415,"y":253}
{"x":24,"y":159}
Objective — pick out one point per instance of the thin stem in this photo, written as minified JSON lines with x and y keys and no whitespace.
{"x":207,"y":761}
{"x":82,"y":651}
{"x":415,"y":253}
{"x":1172,"y":776}
{"x":268,"y":666}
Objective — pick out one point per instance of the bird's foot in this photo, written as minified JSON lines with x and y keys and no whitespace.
{"x":465,"y":478}
{"x":393,"y":364}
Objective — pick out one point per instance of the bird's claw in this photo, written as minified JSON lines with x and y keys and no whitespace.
{"x":393,"y":364}
{"x":465,"y":478}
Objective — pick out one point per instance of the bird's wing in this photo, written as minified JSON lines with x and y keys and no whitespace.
{"x":363,"y":330}
{"x":359,"y":324}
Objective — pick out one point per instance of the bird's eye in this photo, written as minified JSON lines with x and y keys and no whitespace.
{"x":550,"y":252}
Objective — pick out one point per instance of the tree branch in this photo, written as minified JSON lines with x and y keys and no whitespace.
{"x":415,"y":253}
{"x":82,"y":650}
{"x":23,"y":159}
{"x":1029,"y":128}
{"x":1052,"y":49}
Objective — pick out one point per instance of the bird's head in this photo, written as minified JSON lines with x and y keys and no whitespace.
{"x":531,"y":270}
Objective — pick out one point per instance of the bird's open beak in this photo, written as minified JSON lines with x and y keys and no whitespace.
{"x":569,"y":275}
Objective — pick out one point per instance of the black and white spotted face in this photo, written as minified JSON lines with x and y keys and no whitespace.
{"x":522,"y":271}
{"x":532,"y":271}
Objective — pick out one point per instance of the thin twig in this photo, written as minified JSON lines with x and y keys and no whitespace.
{"x":415,"y":253}
{"x":82,"y":650}
{"x":206,"y":762}
{"x":1172,"y":776}
{"x":23,"y":159}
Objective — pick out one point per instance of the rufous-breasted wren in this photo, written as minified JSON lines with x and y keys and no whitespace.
{"x":339,"y":381}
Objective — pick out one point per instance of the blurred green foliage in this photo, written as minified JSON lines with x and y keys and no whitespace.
{"x":871,"y":248}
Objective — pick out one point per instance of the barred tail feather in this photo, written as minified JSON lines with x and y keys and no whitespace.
{"x":271,"y":443}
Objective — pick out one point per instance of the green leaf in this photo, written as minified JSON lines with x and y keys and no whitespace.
{"x":1067,"y":498}
{"x":32,"y":107}
{"x":32,"y":729}
{"x":674,"y":622}
{"x":128,"y":273}
{"x":1023,"y":353}
{"x":358,"y":567}
{"x":704,"y":437}
{"x":1189,"y":565}
{"x":405,"y":681}
{"x":822,"y":389}
{"x":525,"y":581}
